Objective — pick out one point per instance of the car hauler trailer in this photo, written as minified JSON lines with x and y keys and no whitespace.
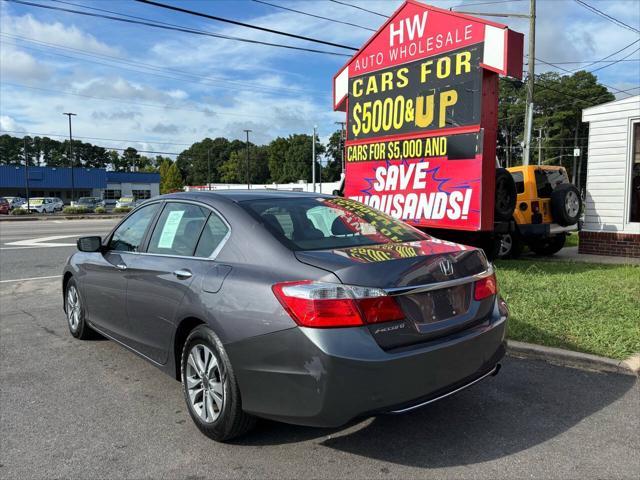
{"x":421,"y":98}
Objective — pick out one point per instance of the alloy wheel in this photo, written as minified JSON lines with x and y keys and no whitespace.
{"x":506,"y":244}
{"x":572,"y":204}
{"x":204,"y":383}
{"x":73,"y":308}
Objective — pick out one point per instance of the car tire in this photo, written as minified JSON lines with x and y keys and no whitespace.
{"x":74,"y":310}
{"x":548,"y":246}
{"x":505,"y":199}
{"x":208,"y":379}
{"x":510,"y":245}
{"x":566,"y":204}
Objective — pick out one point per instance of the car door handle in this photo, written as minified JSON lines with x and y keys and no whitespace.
{"x":182,"y":274}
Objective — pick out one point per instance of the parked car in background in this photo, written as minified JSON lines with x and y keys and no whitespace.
{"x":124,"y":202}
{"x":58,"y":204}
{"x":40,"y":205}
{"x":297,"y":307}
{"x":15,"y":202}
{"x":5,"y":206}
{"x":88,"y":203}
{"x":548,"y":208}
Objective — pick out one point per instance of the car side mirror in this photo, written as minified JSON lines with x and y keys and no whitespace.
{"x":90,"y":244}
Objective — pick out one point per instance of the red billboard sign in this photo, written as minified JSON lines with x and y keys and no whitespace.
{"x":421,"y":103}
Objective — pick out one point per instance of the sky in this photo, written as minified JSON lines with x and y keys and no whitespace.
{"x":161,"y":90}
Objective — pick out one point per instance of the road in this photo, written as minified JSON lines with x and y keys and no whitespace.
{"x":74,"y":409}
{"x":34,"y":255}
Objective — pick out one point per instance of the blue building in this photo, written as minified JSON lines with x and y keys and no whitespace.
{"x":87,"y":182}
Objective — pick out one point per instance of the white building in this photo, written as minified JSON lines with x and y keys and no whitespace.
{"x":612,"y":204}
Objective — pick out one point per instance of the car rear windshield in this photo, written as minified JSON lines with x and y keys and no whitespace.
{"x":548,"y":180}
{"x":322,"y":223}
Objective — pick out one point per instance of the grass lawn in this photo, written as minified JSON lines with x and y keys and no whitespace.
{"x":584,"y":307}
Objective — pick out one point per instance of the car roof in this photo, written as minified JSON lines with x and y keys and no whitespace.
{"x":241,"y":195}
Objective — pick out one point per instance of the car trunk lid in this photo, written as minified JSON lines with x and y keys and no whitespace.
{"x":432,"y":281}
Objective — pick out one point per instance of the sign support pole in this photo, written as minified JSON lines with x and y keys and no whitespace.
{"x":313,"y":158}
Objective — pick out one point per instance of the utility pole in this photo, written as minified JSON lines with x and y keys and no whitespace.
{"x":313,"y":158}
{"x":26,"y":174}
{"x":530,"y":82}
{"x":248,"y":182}
{"x":539,"y":146}
{"x":342,"y":125}
{"x":575,"y":146}
{"x":73,"y":186}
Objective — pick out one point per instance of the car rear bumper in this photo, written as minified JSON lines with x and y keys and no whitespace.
{"x":326,"y":377}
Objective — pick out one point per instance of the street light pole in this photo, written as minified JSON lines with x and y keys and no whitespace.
{"x":248,"y":182}
{"x":209,"y":168}
{"x":313,"y":158}
{"x":73,"y":186}
{"x":26,"y":174}
{"x":342,"y":124}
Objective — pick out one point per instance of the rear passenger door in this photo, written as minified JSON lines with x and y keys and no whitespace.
{"x":171,"y":267}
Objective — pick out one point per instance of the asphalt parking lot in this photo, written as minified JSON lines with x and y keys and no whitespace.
{"x":73,"y":409}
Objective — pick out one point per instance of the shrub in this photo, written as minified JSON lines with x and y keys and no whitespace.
{"x":100,"y":210}
{"x":122,"y":209}
{"x":74,"y":210}
{"x":19,"y":211}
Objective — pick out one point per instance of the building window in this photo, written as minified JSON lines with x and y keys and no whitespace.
{"x":141,"y":194}
{"x":112,"y":194}
{"x":634,"y":215}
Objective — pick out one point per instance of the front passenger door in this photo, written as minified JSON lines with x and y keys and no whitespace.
{"x":104,"y":280}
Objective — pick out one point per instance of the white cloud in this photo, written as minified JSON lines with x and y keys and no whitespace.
{"x":65,"y":35}
{"x":19,"y":65}
{"x":8,"y":123}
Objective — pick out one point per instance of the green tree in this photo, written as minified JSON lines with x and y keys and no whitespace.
{"x":234,"y":170}
{"x":290,"y":158}
{"x":332,"y":170}
{"x":173,"y":180}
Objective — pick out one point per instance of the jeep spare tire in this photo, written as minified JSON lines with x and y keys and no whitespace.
{"x":566,"y":204}
{"x":505,"y":195}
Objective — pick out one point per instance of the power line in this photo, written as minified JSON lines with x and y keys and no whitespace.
{"x":617,"y":90}
{"x":314,"y":15}
{"x":617,"y":61}
{"x":208,"y":80}
{"x":40,"y":134}
{"x":360,"y":8}
{"x":592,"y":62}
{"x":164,"y":26}
{"x":106,"y":148}
{"x":127,"y":102}
{"x":593,"y":9}
{"x":485,"y":3}
{"x":610,"y":55}
{"x":243,"y":24}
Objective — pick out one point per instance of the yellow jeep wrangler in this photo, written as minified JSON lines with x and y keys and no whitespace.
{"x":548,"y":208}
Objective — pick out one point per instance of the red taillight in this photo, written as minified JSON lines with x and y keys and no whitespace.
{"x":322,"y":305}
{"x":485,"y":287}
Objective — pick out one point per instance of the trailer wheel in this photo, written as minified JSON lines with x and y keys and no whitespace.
{"x":506,"y":194}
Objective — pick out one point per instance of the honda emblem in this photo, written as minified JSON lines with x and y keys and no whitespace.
{"x":446,"y":267}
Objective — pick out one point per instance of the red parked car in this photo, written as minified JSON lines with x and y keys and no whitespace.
{"x":4,"y":206}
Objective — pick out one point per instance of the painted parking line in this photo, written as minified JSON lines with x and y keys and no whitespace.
{"x":30,"y":278}
{"x":43,"y":241}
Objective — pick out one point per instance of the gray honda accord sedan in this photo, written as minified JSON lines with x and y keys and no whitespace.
{"x":303,"y":308}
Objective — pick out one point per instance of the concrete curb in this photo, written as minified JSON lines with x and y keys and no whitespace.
{"x":568,"y":358}
{"x":31,"y":218}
